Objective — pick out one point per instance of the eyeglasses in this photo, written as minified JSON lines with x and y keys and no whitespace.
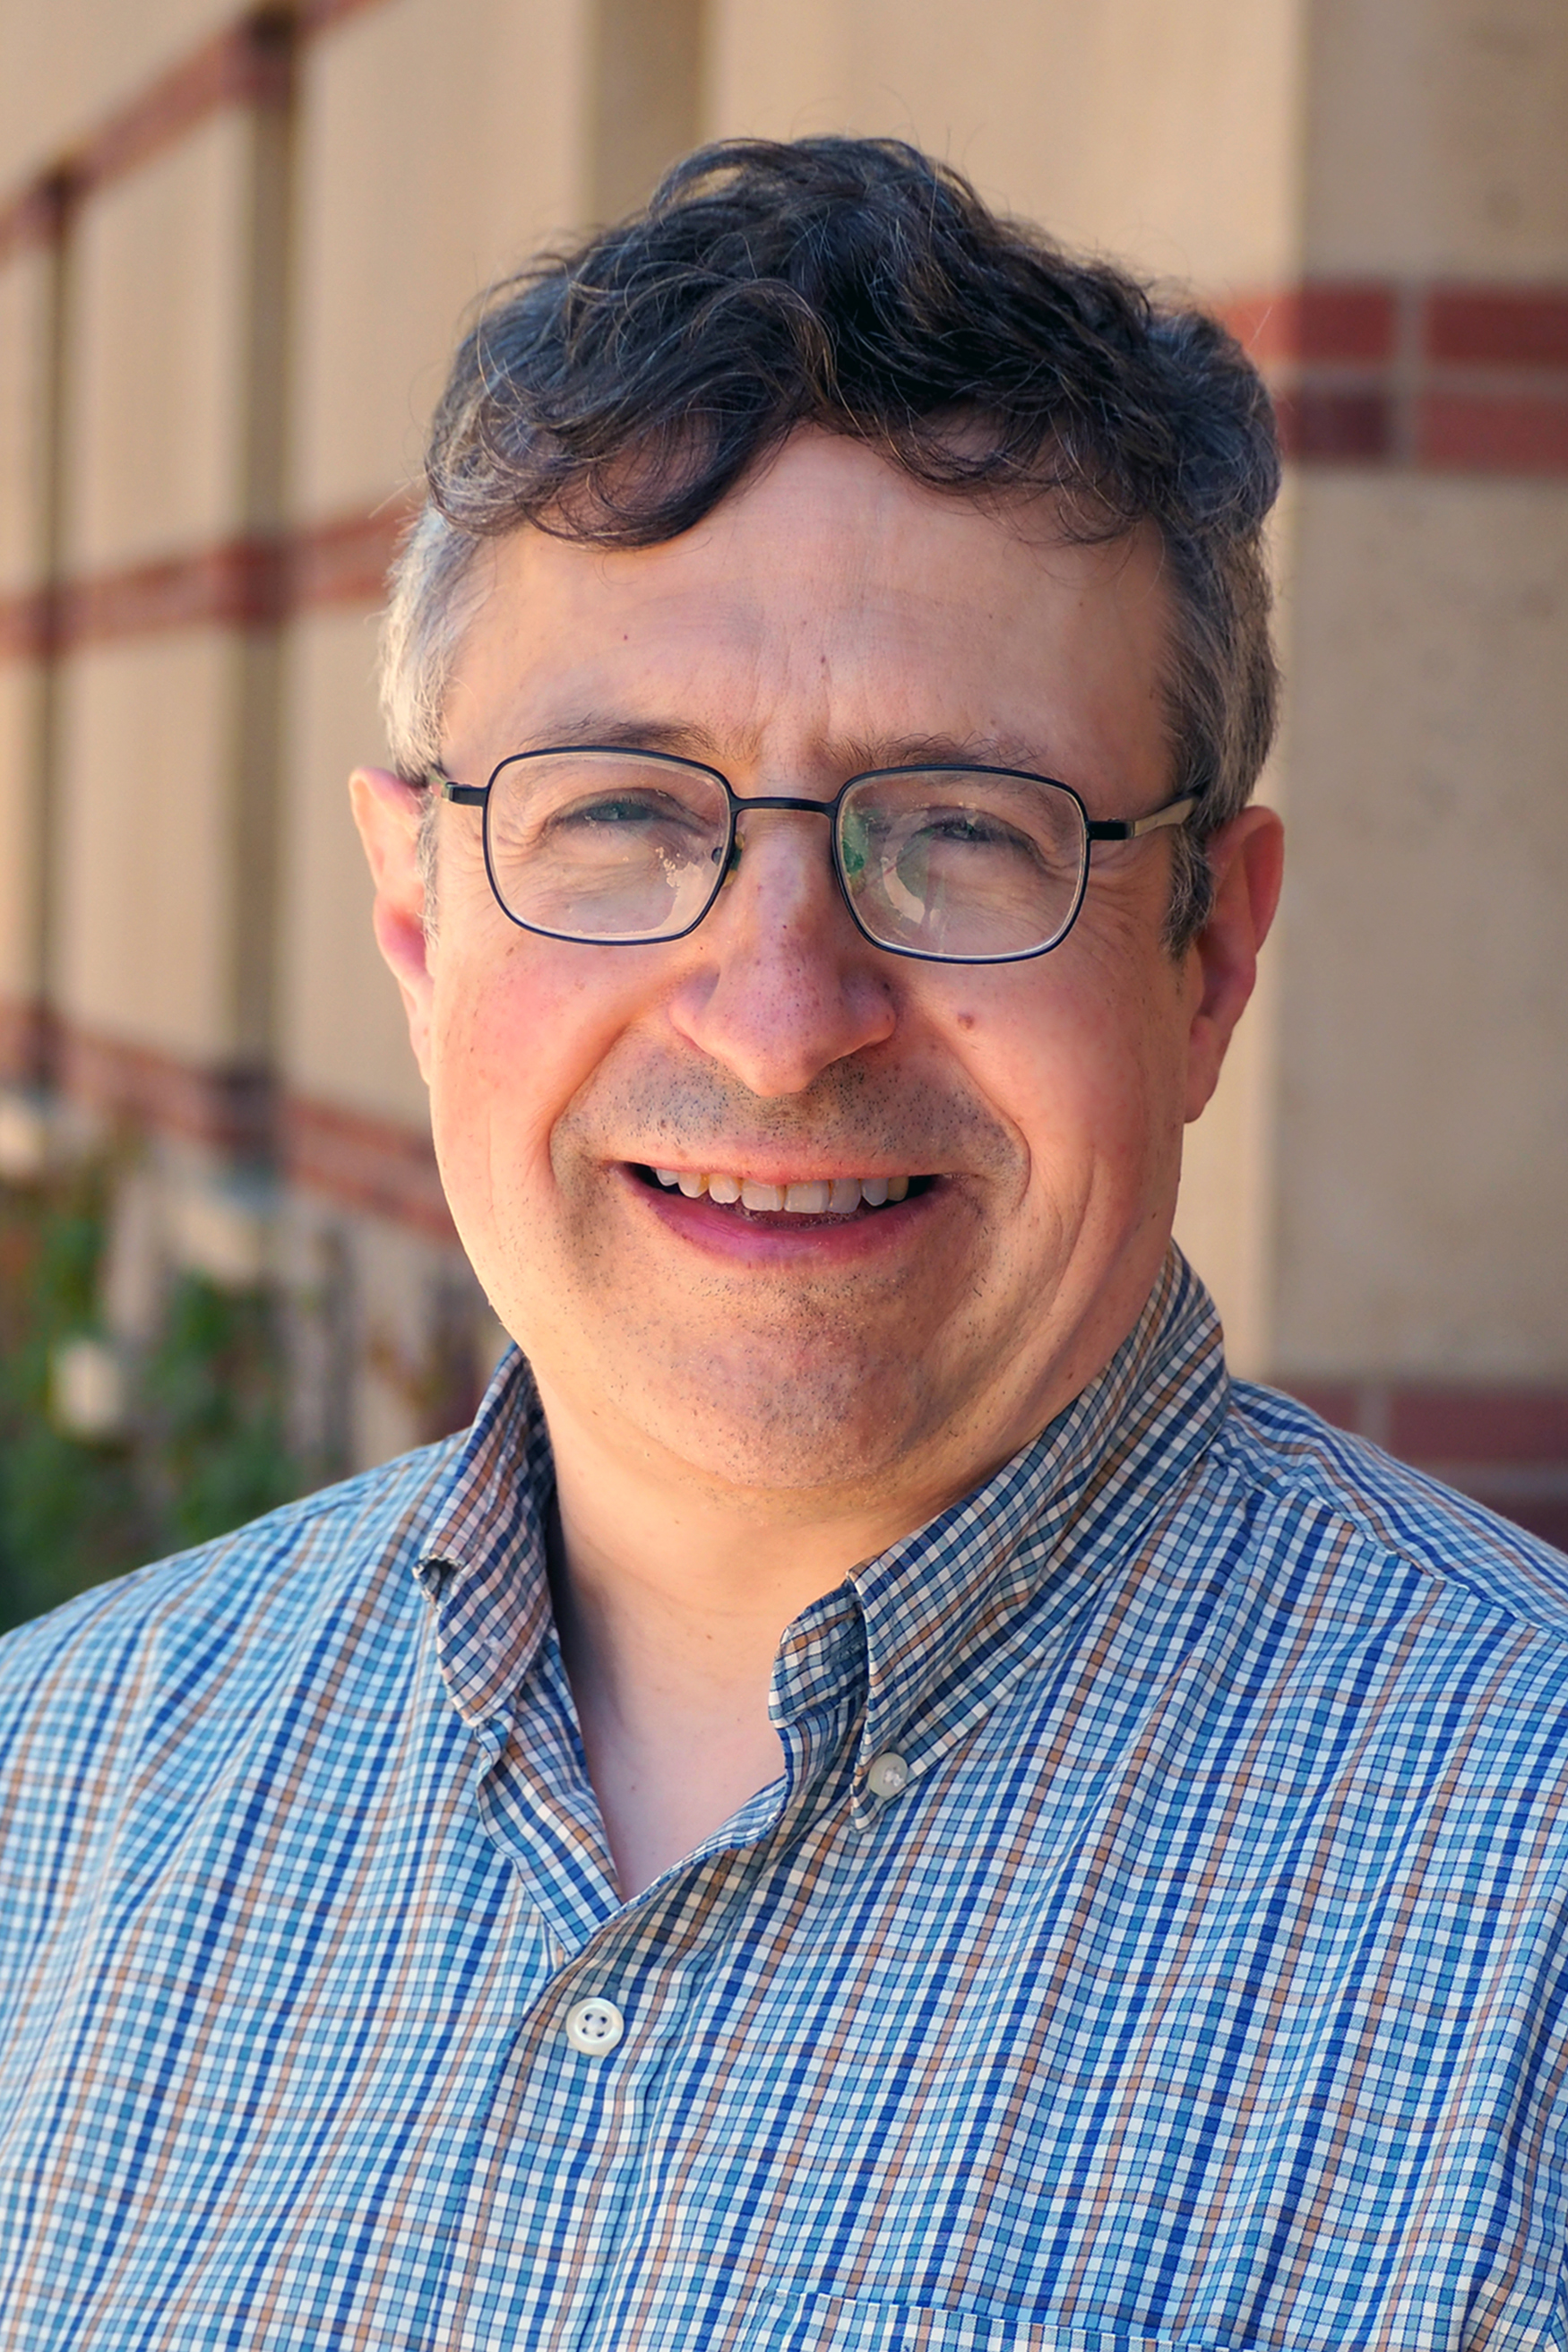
{"x":955,"y":864}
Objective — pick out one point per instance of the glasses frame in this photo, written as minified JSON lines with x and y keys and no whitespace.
{"x":1095,"y":829}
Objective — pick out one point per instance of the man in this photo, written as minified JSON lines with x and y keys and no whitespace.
{"x":873,"y":1800}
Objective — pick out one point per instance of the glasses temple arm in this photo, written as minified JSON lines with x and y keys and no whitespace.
{"x":466,"y":795}
{"x":1134,"y":828}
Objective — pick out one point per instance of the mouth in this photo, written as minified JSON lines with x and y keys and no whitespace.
{"x":822,"y":1200}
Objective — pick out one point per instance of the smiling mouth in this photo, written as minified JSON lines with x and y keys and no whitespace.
{"x":838,"y":1197}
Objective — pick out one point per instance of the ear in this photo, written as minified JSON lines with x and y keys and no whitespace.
{"x":388,"y":814}
{"x":1246,"y":860}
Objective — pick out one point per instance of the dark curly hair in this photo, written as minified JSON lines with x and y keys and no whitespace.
{"x":616,"y":392}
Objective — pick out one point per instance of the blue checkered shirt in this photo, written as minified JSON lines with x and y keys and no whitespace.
{"x":1198,"y":1982}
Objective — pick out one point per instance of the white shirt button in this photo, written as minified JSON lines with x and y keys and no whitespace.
{"x":594,"y":2027}
{"x":887,"y":1775}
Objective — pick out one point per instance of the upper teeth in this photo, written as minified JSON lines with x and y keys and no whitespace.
{"x":820,"y":1196}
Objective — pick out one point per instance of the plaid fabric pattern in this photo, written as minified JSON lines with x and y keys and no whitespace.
{"x":1204,"y":1987}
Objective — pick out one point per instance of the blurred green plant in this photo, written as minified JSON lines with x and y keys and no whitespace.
{"x":70,"y":1514}
{"x":204,"y":1447}
{"x":214,"y":1449}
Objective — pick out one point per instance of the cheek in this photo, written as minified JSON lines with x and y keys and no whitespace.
{"x":513,"y":1036}
{"x":1085,"y":1068}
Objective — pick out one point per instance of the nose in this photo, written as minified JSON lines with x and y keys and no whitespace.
{"x":782,"y":983}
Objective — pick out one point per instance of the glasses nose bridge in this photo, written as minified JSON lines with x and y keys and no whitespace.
{"x":790,"y":803}
{"x":740,"y":806}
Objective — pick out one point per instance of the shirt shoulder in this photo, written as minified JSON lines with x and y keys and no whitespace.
{"x":208,"y":1635}
{"x":1393,"y":1522}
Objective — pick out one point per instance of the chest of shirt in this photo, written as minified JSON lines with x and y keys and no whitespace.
{"x":1127,"y":2019}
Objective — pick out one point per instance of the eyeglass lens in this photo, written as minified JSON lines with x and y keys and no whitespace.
{"x":960,"y":864}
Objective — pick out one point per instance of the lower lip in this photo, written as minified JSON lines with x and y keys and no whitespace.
{"x":784,"y":1239}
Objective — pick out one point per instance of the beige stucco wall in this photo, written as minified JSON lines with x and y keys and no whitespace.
{"x":25,"y":289}
{"x":645,"y":61}
{"x":70,"y":63}
{"x":438,"y":146}
{"x":1438,"y":138}
{"x":148,"y":876}
{"x":21,"y":686}
{"x":1421,"y":1124}
{"x":1423,"y":1143}
{"x":1168,"y":135}
{"x":24,"y":312}
{"x":159,"y":398}
{"x":1226,"y":1215}
{"x":341,"y":1032}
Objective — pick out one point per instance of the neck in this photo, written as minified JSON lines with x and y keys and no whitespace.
{"x":671,"y":1597}
{"x":672,"y":1591}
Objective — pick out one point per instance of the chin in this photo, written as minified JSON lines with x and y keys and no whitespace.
{"x":802,"y":1463}
{"x":843,"y":1427}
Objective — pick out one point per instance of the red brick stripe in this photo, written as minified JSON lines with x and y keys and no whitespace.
{"x":359,"y":1162}
{"x":1448,"y":1423}
{"x":1321,"y":424}
{"x":249,"y":63}
{"x":344,"y":561}
{"x":364,"y":1163}
{"x":1471,"y":1424}
{"x":237,"y":583}
{"x":227,"y":1106}
{"x":241,"y":584}
{"x":1443,"y":378}
{"x":1446,"y":379}
{"x":1316,"y":322}
{"x":35,"y":214}
{"x":27,"y":625}
{"x":1496,"y":327}
{"x":1508,"y":1447}
{"x":27,"y":1033}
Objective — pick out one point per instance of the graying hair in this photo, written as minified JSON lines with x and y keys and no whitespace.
{"x":614,"y":394}
{"x":427,"y":617}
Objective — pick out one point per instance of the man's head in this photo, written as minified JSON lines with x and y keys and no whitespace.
{"x":819,"y":467}
{"x":617,"y":395}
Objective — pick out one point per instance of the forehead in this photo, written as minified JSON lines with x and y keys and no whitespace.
{"x":831,"y":611}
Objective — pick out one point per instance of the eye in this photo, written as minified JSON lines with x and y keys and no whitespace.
{"x":936,"y":831}
{"x":623,"y":808}
{"x":969,"y":826}
{"x":645,"y":817}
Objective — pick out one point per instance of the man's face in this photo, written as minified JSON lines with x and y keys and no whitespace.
{"x":831,"y":617}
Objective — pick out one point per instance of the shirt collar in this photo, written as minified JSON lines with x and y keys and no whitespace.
{"x":956,"y":1610}
{"x":930,"y":1629}
{"x":484,"y":1569}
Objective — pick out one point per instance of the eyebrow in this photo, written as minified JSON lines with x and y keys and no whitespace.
{"x":683,"y":739}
